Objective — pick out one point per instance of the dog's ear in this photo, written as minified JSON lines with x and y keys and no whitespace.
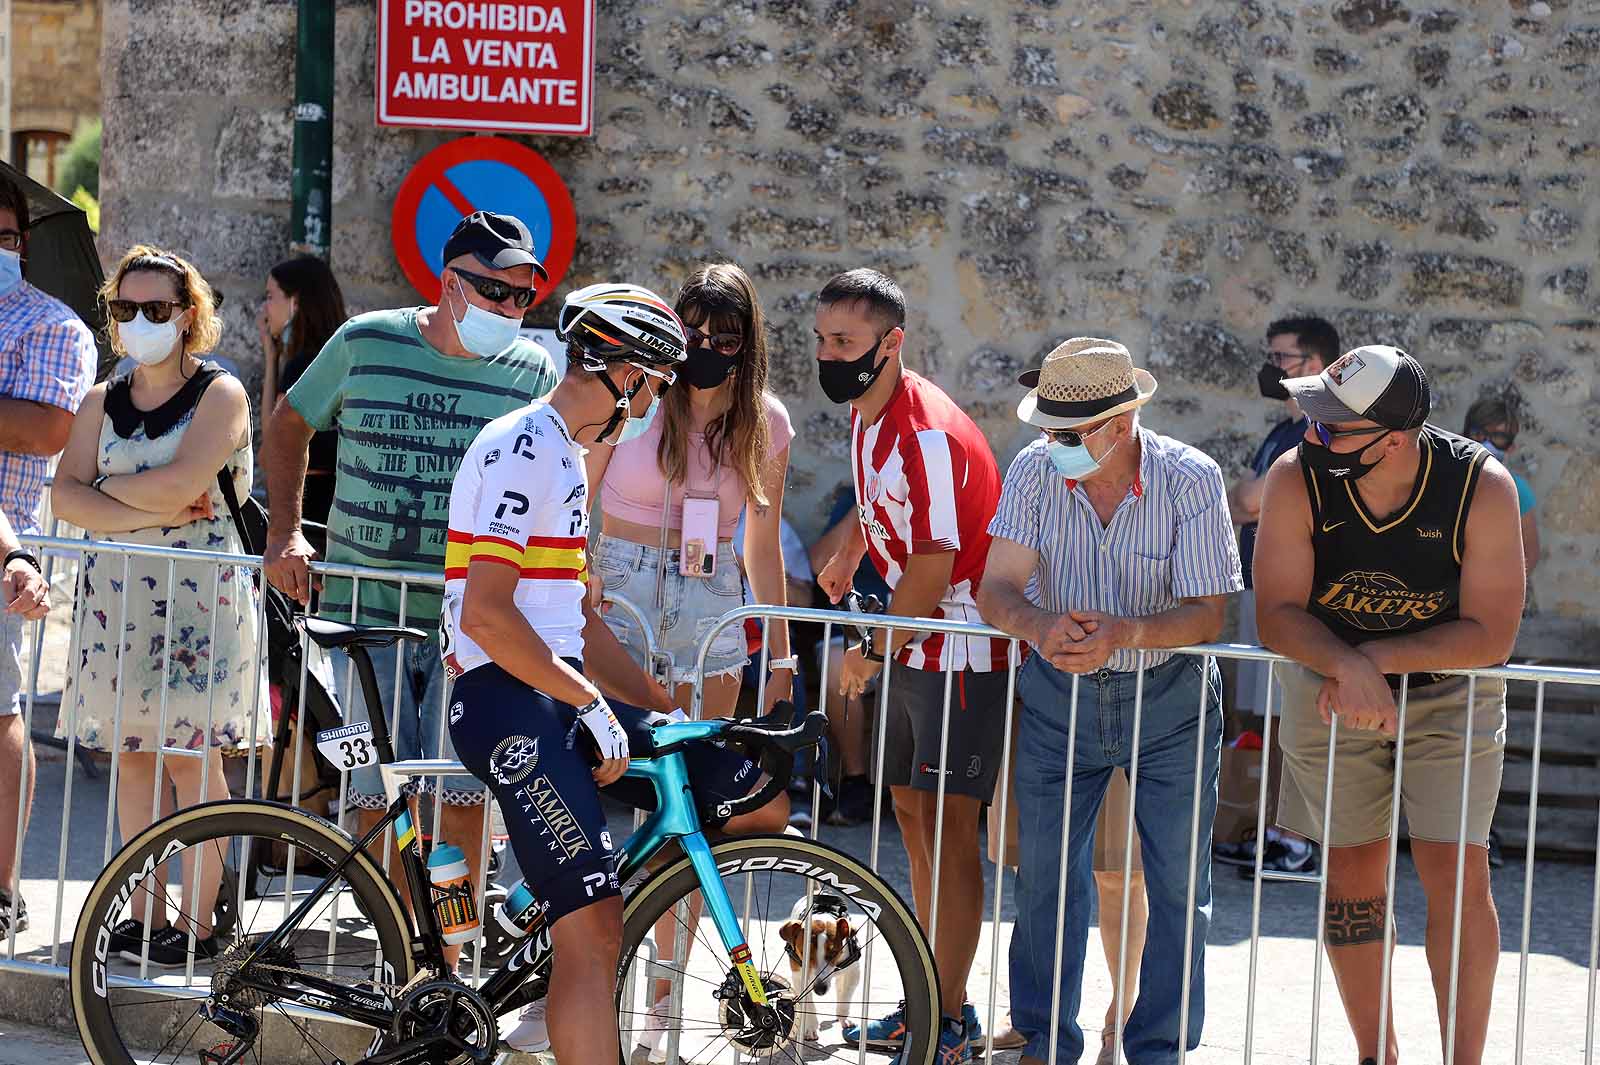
{"x":789,"y":932}
{"x":842,"y":930}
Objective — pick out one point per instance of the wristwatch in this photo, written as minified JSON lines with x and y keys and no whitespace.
{"x":867,"y":652}
{"x":792,"y":664}
{"x":26,"y":556}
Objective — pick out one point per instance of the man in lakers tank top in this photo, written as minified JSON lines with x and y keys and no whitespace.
{"x":1389,"y":547}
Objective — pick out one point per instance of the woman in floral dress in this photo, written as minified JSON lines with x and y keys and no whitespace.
{"x":141,"y":467}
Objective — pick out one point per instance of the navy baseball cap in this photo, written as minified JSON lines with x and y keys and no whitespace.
{"x":498,"y":241}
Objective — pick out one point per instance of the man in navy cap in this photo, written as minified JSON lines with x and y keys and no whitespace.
{"x":407,"y":390}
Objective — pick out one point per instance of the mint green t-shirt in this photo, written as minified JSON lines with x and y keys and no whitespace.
{"x":405,"y":414}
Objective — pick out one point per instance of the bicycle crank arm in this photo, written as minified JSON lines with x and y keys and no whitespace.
{"x":420,"y":1051}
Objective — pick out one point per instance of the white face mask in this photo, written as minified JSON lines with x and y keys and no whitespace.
{"x":482,"y":332}
{"x":146,"y":342}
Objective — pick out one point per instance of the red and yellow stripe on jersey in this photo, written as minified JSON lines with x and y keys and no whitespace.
{"x":542,"y":558}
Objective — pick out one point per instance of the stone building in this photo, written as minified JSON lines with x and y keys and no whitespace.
{"x":1173,"y":173}
{"x":55,"y":79}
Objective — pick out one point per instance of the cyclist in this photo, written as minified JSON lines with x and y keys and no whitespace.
{"x":534,"y":664}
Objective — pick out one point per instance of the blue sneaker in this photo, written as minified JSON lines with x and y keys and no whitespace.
{"x":953,"y":1046}
{"x":885,"y":1033}
{"x":969,"y":1016}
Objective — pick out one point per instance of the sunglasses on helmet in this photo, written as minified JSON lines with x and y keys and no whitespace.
{"x":156,"y":312}
{"x":495,"y":290}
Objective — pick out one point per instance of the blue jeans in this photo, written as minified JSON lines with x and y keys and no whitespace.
{"x":1162,"y":811}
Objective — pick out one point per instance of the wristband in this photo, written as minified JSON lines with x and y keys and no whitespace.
{"x":26,"y":556}
{"x":792,"y":664}
{"x":98,"y":481}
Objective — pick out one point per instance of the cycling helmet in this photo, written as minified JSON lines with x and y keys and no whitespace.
{"x":611,"y":323}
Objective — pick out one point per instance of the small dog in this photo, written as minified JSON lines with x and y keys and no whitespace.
{"x":828,"y":961}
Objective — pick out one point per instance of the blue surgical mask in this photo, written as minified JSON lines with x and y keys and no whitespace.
{"x":1074,"y":462}
{"x":1491,"y":449}
{"x":10,"y":271}
{"x":637,"y":427}
{"x":482,"y":332}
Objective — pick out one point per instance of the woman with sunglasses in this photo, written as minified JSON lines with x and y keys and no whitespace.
{"x":142,"y":466}
{"x":670,"y":499}
{"x":302,"y":308}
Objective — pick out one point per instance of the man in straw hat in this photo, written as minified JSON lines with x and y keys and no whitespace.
{"x":1111,"y":543}
{"x":1388,"y":548}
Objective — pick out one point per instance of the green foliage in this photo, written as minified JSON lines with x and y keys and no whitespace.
{"x":83,"y":198}
{"x":80,"y":166}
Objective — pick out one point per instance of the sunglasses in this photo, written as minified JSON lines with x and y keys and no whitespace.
{"x":1503,"y":441}
{"x":1073,"y":438}
{"x":495,"y":290}
{"x":156,"y":312}
{"x":721,"y":343}
{"x":1283,"y":360}
{"x":1327,"y":436}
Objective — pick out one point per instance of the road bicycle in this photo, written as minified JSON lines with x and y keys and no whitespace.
{"x":317,"y":965}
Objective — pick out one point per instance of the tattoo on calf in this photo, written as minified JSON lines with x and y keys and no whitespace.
{"x":1352,"y":922}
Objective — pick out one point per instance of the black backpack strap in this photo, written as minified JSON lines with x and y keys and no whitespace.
{"x":225,"y":483}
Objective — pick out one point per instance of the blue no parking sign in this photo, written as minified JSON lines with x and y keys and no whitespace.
{"x":481,"y":174}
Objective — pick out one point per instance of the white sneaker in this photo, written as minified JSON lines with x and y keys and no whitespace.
{"x":527,"y":1032}
{"x":653,"y":1036}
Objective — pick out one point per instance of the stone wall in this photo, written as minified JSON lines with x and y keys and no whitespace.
{"x":1168,"y":172}
{"x":55,"y":64}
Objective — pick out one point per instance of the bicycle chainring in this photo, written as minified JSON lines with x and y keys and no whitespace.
{"x":442,"y":1008}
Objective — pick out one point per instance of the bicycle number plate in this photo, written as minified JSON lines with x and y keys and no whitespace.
{"x":349,"y":746}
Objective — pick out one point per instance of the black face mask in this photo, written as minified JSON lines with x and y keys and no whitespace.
{"x":1270,"y":378}
{"x":704,"y":368}
{"x":843,"y":380}
{"x":1341,"y":465}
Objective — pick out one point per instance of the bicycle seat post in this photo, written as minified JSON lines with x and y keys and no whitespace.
{"x":370,"y":693}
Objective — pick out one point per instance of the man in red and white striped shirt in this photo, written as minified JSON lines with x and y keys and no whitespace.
{"x":926,"y":486}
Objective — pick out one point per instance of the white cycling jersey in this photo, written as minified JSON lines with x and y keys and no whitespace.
{"x":519,"y":499}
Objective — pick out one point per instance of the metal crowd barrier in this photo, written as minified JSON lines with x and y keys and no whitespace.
{"x":48,"y":958}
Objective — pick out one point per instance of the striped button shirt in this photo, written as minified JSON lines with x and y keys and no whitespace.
{"x":1169,"y":539}
{"x":47,"y":355}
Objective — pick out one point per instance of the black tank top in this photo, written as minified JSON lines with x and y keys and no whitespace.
{"x":1373,"y":579}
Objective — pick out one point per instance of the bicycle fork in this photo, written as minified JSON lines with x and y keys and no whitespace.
{"x":722,"y":915}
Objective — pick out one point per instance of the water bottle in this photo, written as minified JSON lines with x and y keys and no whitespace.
{"x":517,"y":914}
{"x":452,"y":894}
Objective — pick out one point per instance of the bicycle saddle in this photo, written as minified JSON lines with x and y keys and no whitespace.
{"x":337,"y":634}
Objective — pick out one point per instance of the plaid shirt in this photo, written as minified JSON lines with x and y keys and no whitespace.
{"x":47,"y":355}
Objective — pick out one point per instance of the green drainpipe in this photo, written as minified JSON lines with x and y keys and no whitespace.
{"x":311,"y":221}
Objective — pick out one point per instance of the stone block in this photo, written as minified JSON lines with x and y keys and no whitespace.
{"x":1364,"y":325}
{"x":1470,"y":338}
{"x":1099,"y":299}
{"x":1565,"y":288}
{"x":1249,"y":122}
{"x":1092,"y":234}
{"x":1201,"y":351}
{"x":1334,"y":62}
{"x":1186,"y":105}
{"x":1547,"y":228}
{"x":1431,"y":277}
{"x":1185,"y":246}
{"x":1292,"y":254}
{"x":1366,"y":269}
{"x":254,"y":155}
{"x":910,"y":220}
{"x":964,"y":42}
{"x":978,"y":147}
{"x":763,"y":228}
{"x":1000,"y":294}
{"x":1364,"y":16}
{"x":1034,"y":66}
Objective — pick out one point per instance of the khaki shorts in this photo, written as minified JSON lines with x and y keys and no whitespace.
{"x":1111,"y":830}
{"x":1364,"y":764}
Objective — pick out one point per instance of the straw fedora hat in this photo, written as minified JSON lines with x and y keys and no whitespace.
{"x":1085,"y":380}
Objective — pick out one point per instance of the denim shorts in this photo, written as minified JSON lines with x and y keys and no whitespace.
{"x":690,"y":606}
{"x":11,"y":693}
{"x":418,"y":732}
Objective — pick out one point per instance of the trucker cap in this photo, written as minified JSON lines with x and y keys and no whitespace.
{"x":1374,"y":382}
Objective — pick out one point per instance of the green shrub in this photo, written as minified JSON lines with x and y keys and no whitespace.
{"x":80,"y":167}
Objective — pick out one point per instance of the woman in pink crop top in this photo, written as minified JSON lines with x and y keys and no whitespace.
{"x":721,"y":442}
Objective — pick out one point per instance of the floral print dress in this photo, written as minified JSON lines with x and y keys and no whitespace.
{"x":199,"y":678}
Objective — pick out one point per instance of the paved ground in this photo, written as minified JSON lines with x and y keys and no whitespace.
{"x":1557,"y":986}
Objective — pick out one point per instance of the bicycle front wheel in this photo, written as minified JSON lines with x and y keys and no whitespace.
{"x":137,"y":996}
{"x":834,"y":945}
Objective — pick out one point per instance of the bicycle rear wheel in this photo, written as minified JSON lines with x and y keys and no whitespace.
{"x":771,"y":879}
{"x":356,"y":936}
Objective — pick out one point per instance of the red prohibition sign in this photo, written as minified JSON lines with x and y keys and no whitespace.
{"x":481,"y":174}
